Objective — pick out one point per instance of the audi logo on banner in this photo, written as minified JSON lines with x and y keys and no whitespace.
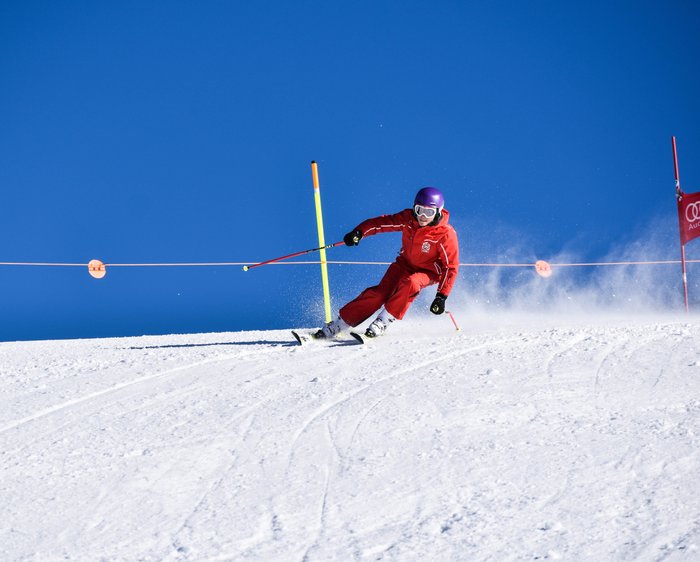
{"x":689,"y":216}
{"x":692,"y":212}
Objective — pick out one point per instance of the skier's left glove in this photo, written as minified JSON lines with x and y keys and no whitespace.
{"x":438,"y":306}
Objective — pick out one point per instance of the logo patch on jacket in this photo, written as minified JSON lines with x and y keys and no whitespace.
{"x":425,"y":248}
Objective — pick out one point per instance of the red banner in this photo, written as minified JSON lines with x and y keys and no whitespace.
{"x":689,"y":216}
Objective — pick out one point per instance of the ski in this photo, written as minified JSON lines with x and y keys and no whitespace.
{"x":303,"y":337}
{"x":359,"y":337}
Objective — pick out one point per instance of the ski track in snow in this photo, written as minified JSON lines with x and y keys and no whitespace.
{"x":574,"y":440}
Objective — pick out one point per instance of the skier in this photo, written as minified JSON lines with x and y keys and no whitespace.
{"x":429,"y":255}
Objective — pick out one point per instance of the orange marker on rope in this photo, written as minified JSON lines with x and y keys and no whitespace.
{"x":97,"y":269}
{"x":543,"y":268}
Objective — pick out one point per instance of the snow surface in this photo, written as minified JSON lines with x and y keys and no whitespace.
{"x":516,"y":439}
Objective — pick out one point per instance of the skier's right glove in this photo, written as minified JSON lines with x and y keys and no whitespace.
{"x":353,"y":238}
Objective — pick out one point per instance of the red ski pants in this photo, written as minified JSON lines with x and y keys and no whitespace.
{"x":396,"y":291}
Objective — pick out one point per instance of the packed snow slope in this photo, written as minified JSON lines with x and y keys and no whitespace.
{"x":515,"y":439}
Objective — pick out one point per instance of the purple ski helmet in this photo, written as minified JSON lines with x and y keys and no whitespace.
{"x":430,"y":197}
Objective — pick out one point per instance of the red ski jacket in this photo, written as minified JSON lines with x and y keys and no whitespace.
{"x":430,"y":249}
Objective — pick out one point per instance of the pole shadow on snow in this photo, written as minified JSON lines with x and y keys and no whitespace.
{"x":343,"y":343}
{"x":186,"y":345}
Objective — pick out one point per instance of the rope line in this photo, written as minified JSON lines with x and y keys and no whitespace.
{"x":336,"y":262}
{"x":44,"y":264}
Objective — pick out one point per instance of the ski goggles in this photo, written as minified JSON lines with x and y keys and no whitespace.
{"x":427,"y":212}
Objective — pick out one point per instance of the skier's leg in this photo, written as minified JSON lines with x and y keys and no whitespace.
{"x":372,"y":298}
{"x":332,"y":329}
{"x":407,"y":290}
{"x":379,"y":324}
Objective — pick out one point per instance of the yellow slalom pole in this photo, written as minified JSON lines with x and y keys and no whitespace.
{"x":321,"y":242}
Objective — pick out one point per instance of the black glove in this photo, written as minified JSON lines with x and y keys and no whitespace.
{"x":438,"y":306}
{"x":353,"y":238}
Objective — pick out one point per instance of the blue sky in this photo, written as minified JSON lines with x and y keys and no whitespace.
{"x":183,"y":132}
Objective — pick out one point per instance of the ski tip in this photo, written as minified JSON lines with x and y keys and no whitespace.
{"x":303,"y":337}
{"x":358,"y":337}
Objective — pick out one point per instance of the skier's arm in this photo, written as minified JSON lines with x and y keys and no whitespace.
{"x":385,"y":223}
{"x":449,"y":256}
